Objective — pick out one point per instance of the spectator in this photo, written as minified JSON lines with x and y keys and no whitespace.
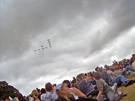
{"x":35,"y":95}
{"x":74,"y":80}
{"x":117,"y":72}
{"x":30,"y":97}
{"x":16,"y":99}
{"x":64,"y":96}
{"x":84,"y":87}
{"x":39,"y":93}
{"x":105,"y":89}
{"x":119,"y":80}
{"x":104,"y":75}
{"x":42,"y":97}
{"x":24,"y":98}
{"x":78,"y":95}
{"x":51,"y":92}
{"x":54,"y":85}
{"x":20,"y":97}
{"x":133,"y":63}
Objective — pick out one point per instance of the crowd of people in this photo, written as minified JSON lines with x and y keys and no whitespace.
{"x":98,"y":85}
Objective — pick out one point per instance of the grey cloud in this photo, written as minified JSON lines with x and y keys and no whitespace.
{"x":26,"y":25}
{"x":121,"y":19}
{"x":30,"y":18}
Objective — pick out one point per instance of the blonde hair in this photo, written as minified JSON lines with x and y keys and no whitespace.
{"x":79,"y":78}
{"x":62,"y":94}
{"x":34,"y":92}
{"x":16,"y":99}
{"x":34,"y":95}
{"x":63,"y":85}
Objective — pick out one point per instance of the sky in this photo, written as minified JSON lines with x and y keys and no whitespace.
{"x":83,"y":34}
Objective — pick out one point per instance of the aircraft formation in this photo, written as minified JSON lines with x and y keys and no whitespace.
{"x":42,"y":47}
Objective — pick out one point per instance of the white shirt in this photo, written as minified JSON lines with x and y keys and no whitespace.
{"x":50,"y":96}
{"x":30,"y":98}
{"x":42,"y":97}
{"x":75,"y":96}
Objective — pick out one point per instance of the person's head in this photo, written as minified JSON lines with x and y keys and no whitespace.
{"x":121,"y":67}
{"x":64,"y":87}
{"x":97,"y":76}
{"x":115,"y":67}
{"x":39,"y":91}
{"x":48,"y":87}
{"x":67,"y":82}
{"x":29,"y":95}
{"x":54,"y":85}
{"x":82,"y":74}
{"x":131,"y":60}
{"x":96,"y":69}
{"x":43,"y":91}
{"x":34,"y":93}
{"x":104,"y":69}
{"x":16,"y":99}
{"x":24,"y":97}
{"x":105,"y":65}
{"x":63,"y":95}
{"x":133,"y":56}
{"x":112,"y":69}
{"x":107,"y":68}
{"x":100,"y":69}
{"x":114,"y":62}
{"x":73,"y":78}
{"x":91,"y":74}
{"x":79,"y":78}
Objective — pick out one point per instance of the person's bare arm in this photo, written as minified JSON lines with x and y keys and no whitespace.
{"x":112,"y":73}
{"x":130,"y":65}
{"x":99,"y":94}
{"x":77,"y":92}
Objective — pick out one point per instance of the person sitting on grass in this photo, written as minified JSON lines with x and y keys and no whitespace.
{"x":43,"y":92}
{"x":104,"y":89}
{"x":84,"y":87}
{"x":34,"y":95}
{"x":133,"y":63}
{"x":104,"y":75}
{"x":118,"y":79}
{"x":71,"y":94}
{"x":51,"y":92}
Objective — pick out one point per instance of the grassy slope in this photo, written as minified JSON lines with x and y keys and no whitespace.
{"x":129,"y":90}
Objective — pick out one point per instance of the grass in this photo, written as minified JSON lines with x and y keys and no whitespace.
{"x":129,"y":90}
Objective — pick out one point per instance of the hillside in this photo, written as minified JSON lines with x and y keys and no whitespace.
{"x":130,"y":91}
{"x":8,"y":90}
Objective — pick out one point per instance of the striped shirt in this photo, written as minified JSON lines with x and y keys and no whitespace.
{"x":84,"y":87}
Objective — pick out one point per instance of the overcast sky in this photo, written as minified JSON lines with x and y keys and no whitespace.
{"x":83,"y":34}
